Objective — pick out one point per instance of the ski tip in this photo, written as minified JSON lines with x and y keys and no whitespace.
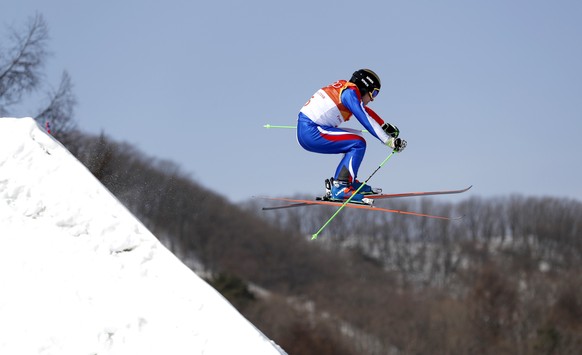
{"x":314,"y":236}
{"x":267,"y":125}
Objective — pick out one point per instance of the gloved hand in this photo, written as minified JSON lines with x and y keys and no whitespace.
{"x":391,"y":130}
{"x":398,"y":144}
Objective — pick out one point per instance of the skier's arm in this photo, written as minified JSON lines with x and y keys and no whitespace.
{"x":365,"y":115}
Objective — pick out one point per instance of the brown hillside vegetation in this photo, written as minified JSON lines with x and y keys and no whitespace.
{"x":504,"y":280}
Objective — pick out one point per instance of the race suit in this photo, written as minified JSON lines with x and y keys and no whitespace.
{"x":319,"y":118}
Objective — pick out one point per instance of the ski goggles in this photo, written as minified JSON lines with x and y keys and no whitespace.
{"x":374,"y":93}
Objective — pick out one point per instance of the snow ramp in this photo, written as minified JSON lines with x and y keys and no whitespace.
{"x":79,"y":274}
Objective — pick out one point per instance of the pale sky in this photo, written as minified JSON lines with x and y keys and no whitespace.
{"x":487,"y":93}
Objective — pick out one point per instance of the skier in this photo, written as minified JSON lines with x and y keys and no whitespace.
{"x":317,"y":130}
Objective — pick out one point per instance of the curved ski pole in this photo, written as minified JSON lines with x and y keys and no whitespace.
{"x":314,"y":236}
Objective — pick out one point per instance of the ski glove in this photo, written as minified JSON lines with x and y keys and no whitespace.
{"x":391,"y":130}
{"x":398,"y":144}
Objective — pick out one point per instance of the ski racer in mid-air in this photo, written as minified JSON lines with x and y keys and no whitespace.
{"x":317,"y":130}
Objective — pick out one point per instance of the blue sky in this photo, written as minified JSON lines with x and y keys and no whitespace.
{"x":487,"y":93}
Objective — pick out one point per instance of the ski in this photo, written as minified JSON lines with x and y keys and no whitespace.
{"x":300,"y":202}
{"x":414,"y":194}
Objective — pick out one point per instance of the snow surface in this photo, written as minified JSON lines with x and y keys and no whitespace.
{"x":79,"y":274}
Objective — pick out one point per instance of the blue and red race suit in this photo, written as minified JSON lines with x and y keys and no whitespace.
{"x":319,"y":118}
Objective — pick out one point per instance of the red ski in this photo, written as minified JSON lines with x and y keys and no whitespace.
{"x":413,"y":194}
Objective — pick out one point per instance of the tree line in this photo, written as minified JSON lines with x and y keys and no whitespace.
{"x":507,"y":274}
{"x":504,"y":279}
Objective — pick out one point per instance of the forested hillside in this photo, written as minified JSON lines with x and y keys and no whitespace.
{"x":506,"y":279}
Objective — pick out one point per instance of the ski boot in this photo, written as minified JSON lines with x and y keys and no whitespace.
{"x":367,"y":189}
{"x":340,"y":191}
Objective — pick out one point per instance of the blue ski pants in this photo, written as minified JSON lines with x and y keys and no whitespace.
{"x":333,"y":140}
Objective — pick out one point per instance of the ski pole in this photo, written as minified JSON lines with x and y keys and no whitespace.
{"x":268,"y":125}
{"x":314,"y":236}
{"x":276,"y":126}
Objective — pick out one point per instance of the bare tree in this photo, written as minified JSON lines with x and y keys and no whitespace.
{"x":21,"y":74}
{"x":20,"y":66}
{"x":59,"y":111}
